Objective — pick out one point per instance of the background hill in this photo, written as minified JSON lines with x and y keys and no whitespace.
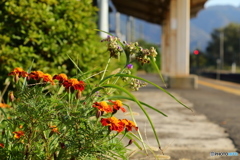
{"x":201,"y":26}
{"x":209,"y":19}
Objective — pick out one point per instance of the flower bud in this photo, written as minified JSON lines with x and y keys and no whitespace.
{"x":129,"y":143}
{"x":11,"y":96}
{"x":78,"y":94}
{"x":62,"y":145}
{"x":99,"y":114}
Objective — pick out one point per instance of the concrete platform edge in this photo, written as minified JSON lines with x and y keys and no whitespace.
{"x":184,"y":82}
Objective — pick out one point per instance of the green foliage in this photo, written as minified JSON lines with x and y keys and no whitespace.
{"x":63,"y":118}
{"x":46,"y":32}
{"x":149,"y":68}
{"x":78,"y":134}
{"x":231,"y":44}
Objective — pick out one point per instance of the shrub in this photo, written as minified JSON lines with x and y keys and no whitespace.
{"x":45,"y":33}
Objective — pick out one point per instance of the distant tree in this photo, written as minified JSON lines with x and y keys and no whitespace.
{"x":231,"y":39}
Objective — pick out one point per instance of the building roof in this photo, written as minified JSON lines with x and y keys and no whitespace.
{"x":153,"y":11}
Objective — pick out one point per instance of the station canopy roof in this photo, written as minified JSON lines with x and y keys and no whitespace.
{"x":153,"y":11}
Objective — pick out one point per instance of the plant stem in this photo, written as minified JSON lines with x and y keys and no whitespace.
{"x":106,"y":68}
{"x":159,"y":73}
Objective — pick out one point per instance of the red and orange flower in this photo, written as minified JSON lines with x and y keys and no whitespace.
{"x":61,"y":77}
{"x":74,"y":84}
{"x":38,"y":75}
{"x":103,"y":106}
{"x":113,"y":123}
{"x":18,"y":134}
{"x":118,"y":124}
{"x":18,"y":72}
{"x":117,"y":105}
{"x":129,"y":124}
{"x":47,"y":78}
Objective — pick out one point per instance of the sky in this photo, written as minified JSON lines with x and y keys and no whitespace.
{"x":235,"y":3}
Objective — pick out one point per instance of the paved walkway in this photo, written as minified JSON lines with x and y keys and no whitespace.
{"x":184,"y":135}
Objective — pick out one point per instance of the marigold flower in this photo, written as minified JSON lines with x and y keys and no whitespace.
{"x":129,"y":124}
{"x":18,"y":72}
{"x":3,"y":105}
{"x":2,"y":145}
{"x":18,"y":134}
{"x":61,"y":77}
{"x":47,"y":78}
{"x":103,"y":106}
{"x":73,"y":83}
{"x":117,"y":105}
{"x":36,"y":75}
{"x":54,"y":129}
{"x":113,"y":123}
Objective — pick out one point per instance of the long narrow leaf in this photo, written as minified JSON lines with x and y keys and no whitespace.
{"x":159,"y":73}
{"x":127,"y":75}
{"x":147,"y":105}
{"x":103,"y":31}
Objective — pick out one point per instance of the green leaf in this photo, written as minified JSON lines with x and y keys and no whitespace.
{"x":127,"y":75}
{"x":145,"y":104}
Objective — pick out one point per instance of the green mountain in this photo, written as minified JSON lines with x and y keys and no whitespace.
{"x":209,"y":19}
{"x":201,"y":26}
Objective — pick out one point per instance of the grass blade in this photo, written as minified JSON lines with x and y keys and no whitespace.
{"x":147,"y":105}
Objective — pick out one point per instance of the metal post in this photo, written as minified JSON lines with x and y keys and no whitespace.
{"x":118,"y":32}
{"x":130,"y":29}
{"x":218,"y":69}
{"x":103,"y":17}
{"x":222,"y":49}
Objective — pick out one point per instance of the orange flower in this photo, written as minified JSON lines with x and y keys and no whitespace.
{"x":61,"y":77}
{"x":54,"y":129}
{"x":36,"y":75}
{"x":103,"y":106}
{"x":2,"y":145}
{"x":3,"y":105}
{"x":18,"y":72}
{"x":18,"y":134}
{"x":113,"y":123}
{"x":73,"y":83}
{"x":47,"y":78}
{"x":117,"y":105}
{"x":129,"y":124}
